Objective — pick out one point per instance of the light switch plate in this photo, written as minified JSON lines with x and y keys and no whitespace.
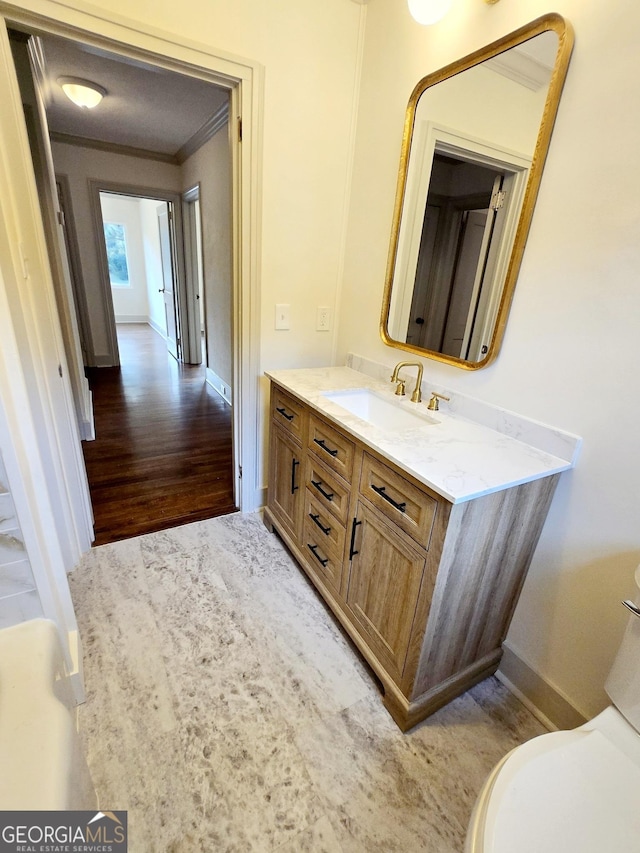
{"x":282,"y":317}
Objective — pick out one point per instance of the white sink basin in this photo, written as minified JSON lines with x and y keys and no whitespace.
{"x":374,"y":409}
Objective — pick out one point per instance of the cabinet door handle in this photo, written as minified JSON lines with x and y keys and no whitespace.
{"x":380,"y":490}
{"x":632,"y":607}
{"x":315,"y":519}
{"x":320,"y":441}
{"x":294,"y":465}
{"x":314,"y":551}
{"x":352,"y":551}
{"x":318,"y":485}
{"x":284,"y":414}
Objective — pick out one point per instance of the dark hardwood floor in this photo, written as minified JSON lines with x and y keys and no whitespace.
{"x":162,"y":454}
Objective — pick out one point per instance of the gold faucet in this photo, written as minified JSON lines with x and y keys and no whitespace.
{"x":434,"y":402}
{"x":416,"y":397}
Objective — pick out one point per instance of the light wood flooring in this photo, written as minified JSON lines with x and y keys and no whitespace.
{"x":162,"y":454}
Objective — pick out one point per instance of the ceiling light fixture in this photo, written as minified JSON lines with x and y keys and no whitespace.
{"x":83,"y":93}
{"x":431,"y":11}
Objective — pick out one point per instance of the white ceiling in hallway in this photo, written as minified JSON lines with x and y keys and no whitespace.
{"x":145,"y":106}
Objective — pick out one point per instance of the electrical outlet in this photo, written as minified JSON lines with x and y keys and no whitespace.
{"x":323,"y":318}
{"x":282,"y":317}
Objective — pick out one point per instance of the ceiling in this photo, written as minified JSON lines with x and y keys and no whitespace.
{"x":146,"y":107}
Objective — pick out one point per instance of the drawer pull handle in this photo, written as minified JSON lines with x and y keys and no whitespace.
{"x":314,"y":551}
{"x":632,"y":607}
{"x":294,"y":465}
{"x":352,"y":551}
{"x":315,"y":519}
{"x":284,"y":414}
{"x":320,"y":441}
{"x":380,"y":490}
{"x":318,"y":485}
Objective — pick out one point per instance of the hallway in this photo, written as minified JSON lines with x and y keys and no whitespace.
{"x":163,"y":451}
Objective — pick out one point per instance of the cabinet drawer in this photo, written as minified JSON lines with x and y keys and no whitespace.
{"x":287,"y":412}
{"x":324,"y":525}
{"x":323,"y":561}
{"x":328,"y":491}
{"x":332,"y":447}
{"x":407,"y":506}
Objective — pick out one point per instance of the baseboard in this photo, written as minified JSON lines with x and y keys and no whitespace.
{"x":157,"y":328}
{"x":261,"y":494}
{"x":76,"y":676}
{"x":223,"y":388}
{"x":132,"y":318}
{"x":543,"y":699}
{"x":103,"y":361}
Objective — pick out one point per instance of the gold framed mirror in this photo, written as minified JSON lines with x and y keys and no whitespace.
{"x":475,"y":140}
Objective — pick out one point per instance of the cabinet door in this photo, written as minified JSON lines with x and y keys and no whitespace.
{"x":384,"y":585}
{"x":286,"y":485}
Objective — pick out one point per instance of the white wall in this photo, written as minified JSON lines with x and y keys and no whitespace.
{"x":80,"y":165}
{"x":129,"y":303}
{"x":570,"y":350}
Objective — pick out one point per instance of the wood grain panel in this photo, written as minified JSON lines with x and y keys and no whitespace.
{"x":327,"y":489}
{"x":335,"y":449}
{"x":286,"y":478}
{"x":322,"y":560}
{"x":384,"y":583}
{"x":288,"y":413}
{"x":486,"y":554}
{"x":327,"y":528}
{"x":403,"y":504}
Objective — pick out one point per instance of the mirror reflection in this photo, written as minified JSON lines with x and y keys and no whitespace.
{"x":474,"y":146}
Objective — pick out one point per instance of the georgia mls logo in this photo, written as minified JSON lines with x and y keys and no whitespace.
{"x":63,"y":832}
{"x":119,"y":831}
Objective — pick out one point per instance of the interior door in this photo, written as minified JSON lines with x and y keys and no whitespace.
{"x":469,"y":269}
{"x":168,"y":278}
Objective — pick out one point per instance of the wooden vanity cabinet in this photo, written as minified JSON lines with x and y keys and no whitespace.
{"x":286,"y":457}
{"x":425,"y":588}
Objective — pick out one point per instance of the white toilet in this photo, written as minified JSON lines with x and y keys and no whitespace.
{"x":572,"y":791}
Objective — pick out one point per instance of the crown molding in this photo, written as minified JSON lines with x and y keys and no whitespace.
{"x":112,"y":147}
{"x":211,"y":126}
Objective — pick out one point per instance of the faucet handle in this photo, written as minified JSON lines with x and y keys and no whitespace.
{"x":400,"y":387}
{"x":434,"y":403}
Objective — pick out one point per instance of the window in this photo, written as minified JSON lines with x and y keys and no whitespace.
{"x":114,"y":237}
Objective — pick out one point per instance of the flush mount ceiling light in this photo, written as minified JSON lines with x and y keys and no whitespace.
{"x":431,"y":11}
{"x":83,"y":93}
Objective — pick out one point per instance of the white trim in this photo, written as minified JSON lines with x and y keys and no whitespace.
{"x":429,"y":136}
{"x":209,"y":129}
{"x":132,"y":318}
{"x":156,"y":327}
{"x":218,"y":385}
{"x":189,"y":245}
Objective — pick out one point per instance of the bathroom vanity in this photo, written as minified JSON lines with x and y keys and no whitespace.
{"x":416,"y":528}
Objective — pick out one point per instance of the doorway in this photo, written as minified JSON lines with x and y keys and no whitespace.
{"x":142,"y":247}
{"x":182,"y":58}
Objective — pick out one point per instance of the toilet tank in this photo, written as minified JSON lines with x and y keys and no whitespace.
{"x":623,"y":683}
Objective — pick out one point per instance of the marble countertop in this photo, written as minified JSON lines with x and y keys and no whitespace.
{"x":454,"y":456}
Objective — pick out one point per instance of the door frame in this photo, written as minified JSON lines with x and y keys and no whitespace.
{"x":97,"y":186}
{"x":431,"y":137}
{"x":191,"y":263}
{"x":244,"y":78}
